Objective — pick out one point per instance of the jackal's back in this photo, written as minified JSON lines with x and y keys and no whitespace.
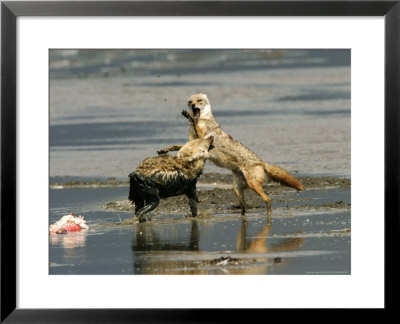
{"x":168,"y":167}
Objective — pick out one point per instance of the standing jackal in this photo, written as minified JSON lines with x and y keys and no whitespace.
{"x":168,"y":176}
{"x":247,"y":168}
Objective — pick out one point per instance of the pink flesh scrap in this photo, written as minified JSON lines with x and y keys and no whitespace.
{"x":68,"y":223}
{"x":72,"y":227}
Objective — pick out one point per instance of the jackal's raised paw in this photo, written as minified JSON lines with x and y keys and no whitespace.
{"x":162,"y":152}
{"x":186,"y":114}
{"x":169,"y":149}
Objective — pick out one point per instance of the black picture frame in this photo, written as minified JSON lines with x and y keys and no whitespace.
{"x":10,"y":10}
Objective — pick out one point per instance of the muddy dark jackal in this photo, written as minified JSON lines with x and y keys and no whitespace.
{"x":167,"y":176}
{"x":248,"y":170}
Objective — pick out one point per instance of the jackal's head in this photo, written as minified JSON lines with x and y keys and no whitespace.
{"x":196,"y":150}
{"x":199,"y":106}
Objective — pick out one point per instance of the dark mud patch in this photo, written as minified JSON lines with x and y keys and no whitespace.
{"x":223,"y":261}
{"x":220,"y":199}
{"x":207,"y":179}
{"x":324,"y":182}
{"x":332,"y":205}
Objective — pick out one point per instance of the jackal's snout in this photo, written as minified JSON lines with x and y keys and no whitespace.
{"x":196,"y":111}
{"x":196,"y":103}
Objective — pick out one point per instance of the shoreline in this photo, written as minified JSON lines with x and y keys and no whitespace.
{"x":216,"y":197}
{"x":322,"y":194}
{"x":206,"y":180}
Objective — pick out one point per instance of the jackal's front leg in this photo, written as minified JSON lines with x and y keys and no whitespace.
{"x":197,"y":129}
{"x":191,"y":194}
{"x":170,"y":149}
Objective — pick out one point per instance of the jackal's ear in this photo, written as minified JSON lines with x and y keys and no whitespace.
{"x":204,"y":97}
{"x":210,"y":140}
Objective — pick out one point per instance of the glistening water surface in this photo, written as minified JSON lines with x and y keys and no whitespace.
{"x":295,"y":242}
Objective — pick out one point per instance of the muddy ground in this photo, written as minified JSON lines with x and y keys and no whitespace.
{"x":216,"y":195}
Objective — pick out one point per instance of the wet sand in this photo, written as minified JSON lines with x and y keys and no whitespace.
{"x":217,"y":196}
{"x":215,"y":193}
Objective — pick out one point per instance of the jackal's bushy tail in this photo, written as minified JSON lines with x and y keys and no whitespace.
{"x":282,"y":176}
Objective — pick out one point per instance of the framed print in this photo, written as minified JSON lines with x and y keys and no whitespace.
{"x":305,"y":93}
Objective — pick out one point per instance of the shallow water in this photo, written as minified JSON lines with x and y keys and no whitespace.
{"x":295,"y":242}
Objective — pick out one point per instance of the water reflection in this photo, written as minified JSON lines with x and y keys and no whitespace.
{"x":157,"y":250}
{"x":73,"y":245}
{"x":148,"y":238}
{"x":258,"y":244}
{"x":148,"y":245}
{"x":70,"y":240}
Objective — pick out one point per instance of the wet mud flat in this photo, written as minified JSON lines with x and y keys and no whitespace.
{"x":309,"y":232}
{"x":215,"y":195}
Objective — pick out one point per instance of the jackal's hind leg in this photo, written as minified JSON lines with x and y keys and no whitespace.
{"x":151,"y":203}
{"x":255,"y":179}
{"x":139,"y":204}
{"x":257,"y":188}
{"x":239,"y":185}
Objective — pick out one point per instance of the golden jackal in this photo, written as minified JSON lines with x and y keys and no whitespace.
{"x":247,"y":168}
{"x":168,"y":176}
